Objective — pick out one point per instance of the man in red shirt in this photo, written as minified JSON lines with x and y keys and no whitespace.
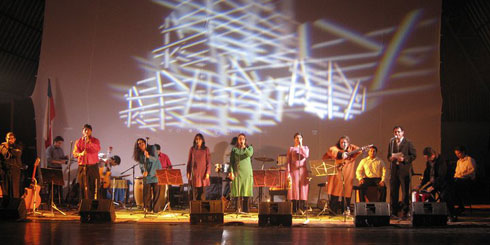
{"x":164,"y":160}
{"x":86,"y":150}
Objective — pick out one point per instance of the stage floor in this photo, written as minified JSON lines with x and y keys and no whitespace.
{"x":131,"y":226}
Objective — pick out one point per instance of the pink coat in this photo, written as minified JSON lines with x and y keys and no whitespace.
{"x":199,"y":164}
{"x":299,"y":173}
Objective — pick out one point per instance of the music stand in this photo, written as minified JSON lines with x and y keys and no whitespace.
{"x":169,"y":177}
{"x":324,"y":168}
{"x":54,"y":177}
{"x":269,"y":178}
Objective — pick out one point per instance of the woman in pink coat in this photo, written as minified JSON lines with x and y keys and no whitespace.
{"x":298,"y":173}
{"x":198,"y":166}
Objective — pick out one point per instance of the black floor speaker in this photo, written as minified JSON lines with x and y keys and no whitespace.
{"x":276,"y":213}
{"x":208,"y":211}
{"x":429,"y":214}
{"x":97,"y":211}
{"x":12,"y":209}
{"x":371,"y":214}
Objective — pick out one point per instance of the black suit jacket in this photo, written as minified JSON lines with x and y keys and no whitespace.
{"x":442,"y":174}
{"x":409,"y":154}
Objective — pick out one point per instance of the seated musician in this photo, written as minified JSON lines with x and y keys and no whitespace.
{"x":56,"y":158}
{"x":437,"y":179}
{"x":464,"y":176}
{"x":105,"y":175}
{"x":372,"y":172}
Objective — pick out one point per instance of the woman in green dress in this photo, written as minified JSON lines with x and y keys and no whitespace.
{"x":241,"y":172}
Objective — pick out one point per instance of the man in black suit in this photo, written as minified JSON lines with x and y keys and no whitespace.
{"x":401,"y":154}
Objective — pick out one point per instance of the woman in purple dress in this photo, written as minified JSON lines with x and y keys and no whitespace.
{"x":298,"y":173}
{"x":198,"y":166}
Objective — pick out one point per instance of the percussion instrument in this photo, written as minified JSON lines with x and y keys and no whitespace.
{"x":138,"y":191}
{"x":282,"y":160}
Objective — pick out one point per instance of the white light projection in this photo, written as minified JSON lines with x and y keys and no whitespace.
{"x":239,"y":66}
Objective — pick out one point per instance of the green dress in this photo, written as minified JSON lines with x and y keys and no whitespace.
{"x":241,"y":167}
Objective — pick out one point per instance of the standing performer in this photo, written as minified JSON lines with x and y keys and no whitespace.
{"x":340,"y":185}
{"x":401,"y":154}
{"x":241,"y":172}
{"x":149,"y":164}
{"x":298,"y":173}
{"x":11,"y":163}
{"x":198,"y":167}
{"x":464,"y":176}
{"x":87,"y":151}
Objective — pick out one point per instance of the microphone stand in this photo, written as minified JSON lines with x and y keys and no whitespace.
{"x":133,"y":203}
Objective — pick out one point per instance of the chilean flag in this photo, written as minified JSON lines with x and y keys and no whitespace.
{"x":49,"y":118}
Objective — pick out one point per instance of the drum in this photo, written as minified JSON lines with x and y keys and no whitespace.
{"x":421,"y":196}
{"x":138,"y":191}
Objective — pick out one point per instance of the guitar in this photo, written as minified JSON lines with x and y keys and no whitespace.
{"x":31,"y":195}
{"x":351,"y":153}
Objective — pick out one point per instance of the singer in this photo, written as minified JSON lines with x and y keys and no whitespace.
{"x":10,"y":165}
{"x":401,"y":154}
{"x":241,"y":172}
{"x":146,"y":155}
{"x":86,"y":150}
{"x":198,"y":166}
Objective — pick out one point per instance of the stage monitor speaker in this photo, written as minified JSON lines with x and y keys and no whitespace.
{"x":371,"y":214}
{"x":209,"y":211}
{"x":97,"y":211}
{"x":12,"y":209}
{"x":276,"y":213}
{"x":429,"y":214}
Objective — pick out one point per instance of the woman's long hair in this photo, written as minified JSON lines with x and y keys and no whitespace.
{"x":343,"y":137}
{"x":137,"y":151}
{"x":203,"y":145}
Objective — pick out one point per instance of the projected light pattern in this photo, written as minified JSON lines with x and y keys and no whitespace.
{"x":238,"y":66}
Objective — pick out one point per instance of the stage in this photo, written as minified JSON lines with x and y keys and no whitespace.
{"x":132,"y":227}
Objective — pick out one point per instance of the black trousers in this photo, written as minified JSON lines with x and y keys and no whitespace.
{"x":400,"y":177}
{"x":461,"y":192}
{"x":151,"y":195}
{"x":372,"y":182}
{"x":91,"y":172}
{"x":11,"y":183}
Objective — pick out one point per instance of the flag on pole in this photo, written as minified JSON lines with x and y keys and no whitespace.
{"x":49,"y":118}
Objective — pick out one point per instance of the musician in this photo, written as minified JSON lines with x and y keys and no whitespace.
{"x":401,"y":154}
{"x":105,"y":171}
{"x":345,"y":161}
{"x":55,"y":157}
{"x":198,"y":166}
{"x":149,"y":164}
{"x":226,"y":167}
{"x":241,"y":172}
{"x":86,"y":150}
{"x":464,"y":176}
{"x":11,"y":164}
{"x":298,"y":173}
{"x":165,"y":164}
{"x":438,"y":179}
{"x":371,"y":171}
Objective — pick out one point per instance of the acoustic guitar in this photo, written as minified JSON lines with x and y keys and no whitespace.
{"x":31,"y":194}
{"x":351,"y":153}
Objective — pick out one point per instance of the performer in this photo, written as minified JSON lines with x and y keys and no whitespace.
{"x":241,"y":172}
{"x":226,"y":167}
{"x":105,"y":172}
{"x":149,"y":164}
{"x":56,"y":158}
{"x":11,"y":165}
{"x":163,"y":158}
{"x":464,"y":176}
{"x":438,"y":178}
{"x":86,"y":150}
{"x":165,"y":164}
{"x":340,"y":185}
{"x":198,"y":167}
{"x":401,"y":154}
{"x":372,"y":172}
{"x":298,"y":173}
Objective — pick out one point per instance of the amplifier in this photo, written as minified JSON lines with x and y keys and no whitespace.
{"x":209,"y":211}
{"x":371,"y":214}
{"x":429,"y":214}
{"x":276,"y":213}
{"x":12,"y":209}
{"x":97,"y":211}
